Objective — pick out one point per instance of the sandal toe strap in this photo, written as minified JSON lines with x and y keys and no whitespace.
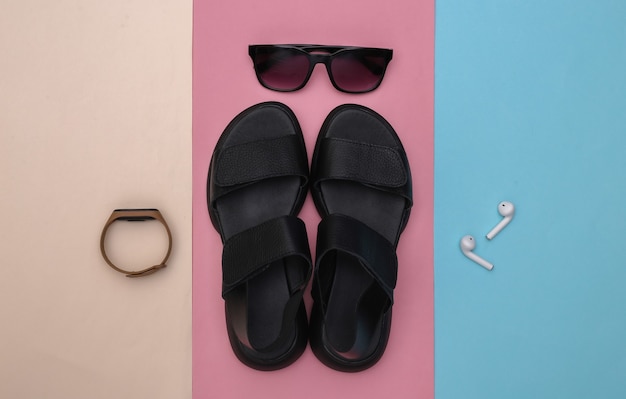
{"x":254,"y":161}
{"x":374,"y":165}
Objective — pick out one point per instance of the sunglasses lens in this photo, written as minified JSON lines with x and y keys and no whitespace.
{"x":281,"y":68}
{"x":358,"y":71}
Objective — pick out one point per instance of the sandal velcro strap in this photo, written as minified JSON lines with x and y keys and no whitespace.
{"x":376,"y":254}
{"x":257,"y":160}
{"x":366,"y":163}
{"x":248,"y":253}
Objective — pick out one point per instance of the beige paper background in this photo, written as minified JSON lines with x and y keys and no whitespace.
{"x":95,"y":114}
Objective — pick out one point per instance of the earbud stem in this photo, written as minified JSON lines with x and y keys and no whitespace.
{"x":478,"y":260}
{"x":498,"y":228}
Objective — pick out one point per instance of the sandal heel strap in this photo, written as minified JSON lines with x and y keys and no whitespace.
{"x":248,"y":253}
{"x":376,"y":254}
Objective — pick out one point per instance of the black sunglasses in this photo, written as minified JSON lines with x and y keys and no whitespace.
{"x":287,"y":67}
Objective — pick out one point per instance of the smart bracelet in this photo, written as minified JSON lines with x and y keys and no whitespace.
{"x":136,"y":215}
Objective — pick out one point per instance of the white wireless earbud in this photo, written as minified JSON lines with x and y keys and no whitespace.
{"x":507,"y":210}
{"x":467,"y":246}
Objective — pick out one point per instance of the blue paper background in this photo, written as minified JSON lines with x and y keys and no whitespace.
{"x":530,"y":106}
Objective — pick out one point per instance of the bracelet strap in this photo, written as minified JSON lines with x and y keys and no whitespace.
{"x":136,"y":215}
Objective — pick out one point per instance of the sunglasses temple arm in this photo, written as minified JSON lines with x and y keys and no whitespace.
{"x":263,"y":66}
{"x":374,"y":67}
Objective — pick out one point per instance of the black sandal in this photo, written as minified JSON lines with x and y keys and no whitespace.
{"x":361,"y":185}
{"x":256,"y":186}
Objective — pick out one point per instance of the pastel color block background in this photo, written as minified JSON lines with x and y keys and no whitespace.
{"x":530,"y":106}
{"x":224,"y":85}
{"x":95,"y":113}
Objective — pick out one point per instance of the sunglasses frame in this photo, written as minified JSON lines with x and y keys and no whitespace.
{"x":320,"y":54}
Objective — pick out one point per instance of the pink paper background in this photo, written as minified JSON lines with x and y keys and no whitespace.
{"x":224,"y":84}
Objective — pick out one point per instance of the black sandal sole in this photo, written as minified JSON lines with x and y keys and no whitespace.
{"x":254,"y":196}
{"x":361,"y":186}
